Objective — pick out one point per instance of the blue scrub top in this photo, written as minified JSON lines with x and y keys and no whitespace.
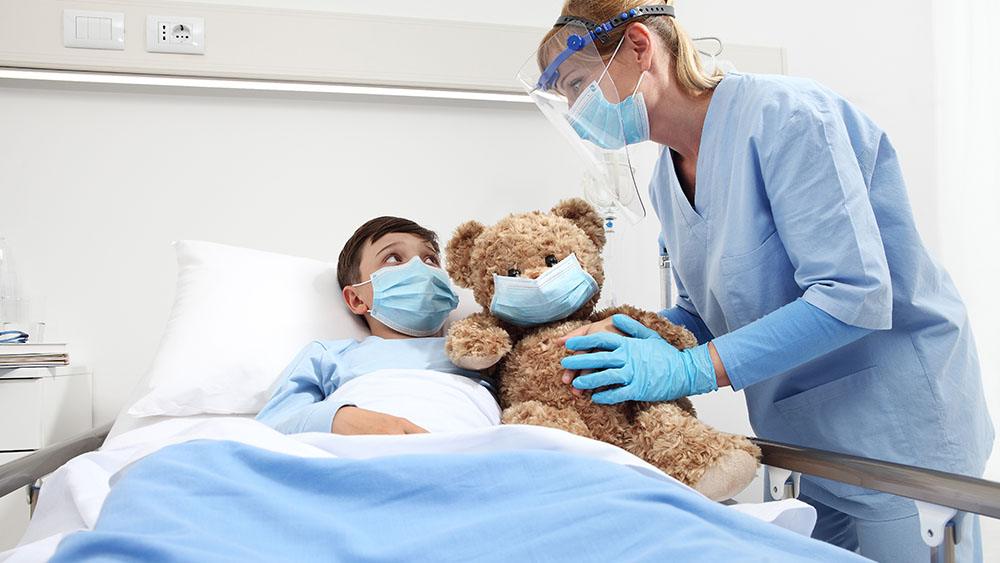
{"x":800,"y":195}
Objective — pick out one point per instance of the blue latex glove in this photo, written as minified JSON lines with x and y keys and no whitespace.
{"x":647,"y":367}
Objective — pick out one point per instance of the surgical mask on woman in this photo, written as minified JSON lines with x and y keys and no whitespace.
{"x":413,"y":299}
{"x":554,"y":295}
{"x":607,"y":125}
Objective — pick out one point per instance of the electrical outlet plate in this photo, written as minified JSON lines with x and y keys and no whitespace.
{"x":175,"y":34}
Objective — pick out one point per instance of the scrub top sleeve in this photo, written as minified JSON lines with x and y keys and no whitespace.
{"x":782,"y":340}
{"x":298,"y":404}
{"x":824,"y":218}
{"x":682,"y":317}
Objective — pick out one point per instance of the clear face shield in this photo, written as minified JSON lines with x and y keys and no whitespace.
{"x":568,"y":80}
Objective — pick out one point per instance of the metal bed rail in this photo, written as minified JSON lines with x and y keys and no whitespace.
{"x":941,"y":499}
{"x":25,"y":471}
{"x":966,"y":494}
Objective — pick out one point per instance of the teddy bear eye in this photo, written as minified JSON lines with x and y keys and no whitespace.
{"x":513,"y":272}
{"x":551,"y":260}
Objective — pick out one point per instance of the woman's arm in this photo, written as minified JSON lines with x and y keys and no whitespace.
{"x":780,"y":341}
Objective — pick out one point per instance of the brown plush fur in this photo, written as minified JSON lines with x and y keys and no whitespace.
{"x":668,"y":435}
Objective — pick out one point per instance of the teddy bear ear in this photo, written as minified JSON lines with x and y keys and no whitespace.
{"x":584,"y":216}
{"x":458,"y":254}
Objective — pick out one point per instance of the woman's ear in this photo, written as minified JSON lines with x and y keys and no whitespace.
{"x":354,"y":301}
{"x":458,"y":254}
{"x":583,"y":215}
{"x":640,"y":45}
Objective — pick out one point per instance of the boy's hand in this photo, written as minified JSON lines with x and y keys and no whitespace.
{"x":354,"y":421}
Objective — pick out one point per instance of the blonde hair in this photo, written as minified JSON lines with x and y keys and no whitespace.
{"x":687,"y":64}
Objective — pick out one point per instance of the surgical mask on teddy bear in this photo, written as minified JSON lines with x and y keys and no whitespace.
{"x":414,"y":299}
{"x":554,"y":295}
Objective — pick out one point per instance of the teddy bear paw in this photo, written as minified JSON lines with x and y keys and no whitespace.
{"x":730,"y":474}
{"x":477,"y":363}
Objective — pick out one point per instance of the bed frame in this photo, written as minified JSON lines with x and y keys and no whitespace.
{"x":942,"y":498}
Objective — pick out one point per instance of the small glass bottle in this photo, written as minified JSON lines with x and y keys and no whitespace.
{"x":7,"y":286}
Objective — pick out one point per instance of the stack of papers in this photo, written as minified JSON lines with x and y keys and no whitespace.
{"x":33,"y":355}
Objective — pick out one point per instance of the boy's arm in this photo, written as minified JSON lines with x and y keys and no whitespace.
{"x":298,"y":404}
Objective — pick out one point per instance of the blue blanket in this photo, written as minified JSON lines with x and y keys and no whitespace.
{"x":212,"y":501}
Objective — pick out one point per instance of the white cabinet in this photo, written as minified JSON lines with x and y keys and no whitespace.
{"x":21,"y":413}
{"x":14,"y":510}
{"x":38,"y":407}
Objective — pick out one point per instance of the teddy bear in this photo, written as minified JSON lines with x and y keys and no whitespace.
{"x":524,"y":356}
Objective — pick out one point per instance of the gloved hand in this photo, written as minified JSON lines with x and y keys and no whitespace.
{"x":647,"y":367}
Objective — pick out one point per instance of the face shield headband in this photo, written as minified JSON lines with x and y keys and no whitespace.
{"x":595,"y":32}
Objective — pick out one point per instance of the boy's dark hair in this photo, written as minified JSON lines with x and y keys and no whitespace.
{"x":349,"y":263}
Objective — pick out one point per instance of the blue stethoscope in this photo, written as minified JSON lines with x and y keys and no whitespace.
{"x":13,"y":337}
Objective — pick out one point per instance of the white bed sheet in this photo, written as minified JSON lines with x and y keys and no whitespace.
{"x":73,"y":495}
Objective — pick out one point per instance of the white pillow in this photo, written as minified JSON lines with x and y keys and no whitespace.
{"x":239,"y":317}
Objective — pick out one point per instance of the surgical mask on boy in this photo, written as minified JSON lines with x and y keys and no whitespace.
{"x":607,"y":125}
{"x":554,"y":295}
{"x":414,"y":299}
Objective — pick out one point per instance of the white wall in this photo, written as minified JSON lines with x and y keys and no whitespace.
{"x":538,"y":13}
{"x":94,"y":184}
{"x":967,"y":85}
{"x":97,"y":183}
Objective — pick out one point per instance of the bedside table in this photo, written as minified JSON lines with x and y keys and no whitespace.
{"x":38,"y":407}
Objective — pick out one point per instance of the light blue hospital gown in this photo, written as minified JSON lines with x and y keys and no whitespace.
{"x":299,"y":403}
{"x":800,"y":195}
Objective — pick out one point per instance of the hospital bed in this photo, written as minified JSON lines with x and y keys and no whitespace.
{"x":941,"y":497}
{"x":208,"y":269}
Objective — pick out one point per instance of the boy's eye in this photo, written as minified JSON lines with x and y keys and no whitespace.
{"x":513,"y":273}
{"x":551,"y":260}
{"x":432,"y":260}
{"x":393,"y":259}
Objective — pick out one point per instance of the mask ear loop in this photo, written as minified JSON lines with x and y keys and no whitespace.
{"x":639,"y":83}
{"x":608,"y":66}
{"x":367,"y":306}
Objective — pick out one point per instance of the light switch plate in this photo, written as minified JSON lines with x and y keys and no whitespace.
{"x":175,"y":34}
{"x":86,"y":29}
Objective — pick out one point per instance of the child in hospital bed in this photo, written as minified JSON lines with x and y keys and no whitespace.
{"x":398,"y":380}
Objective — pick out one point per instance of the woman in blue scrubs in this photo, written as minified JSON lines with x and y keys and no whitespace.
{"x":798,"y":266}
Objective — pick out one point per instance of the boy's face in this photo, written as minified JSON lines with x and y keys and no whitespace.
{"x":393,"y":249}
